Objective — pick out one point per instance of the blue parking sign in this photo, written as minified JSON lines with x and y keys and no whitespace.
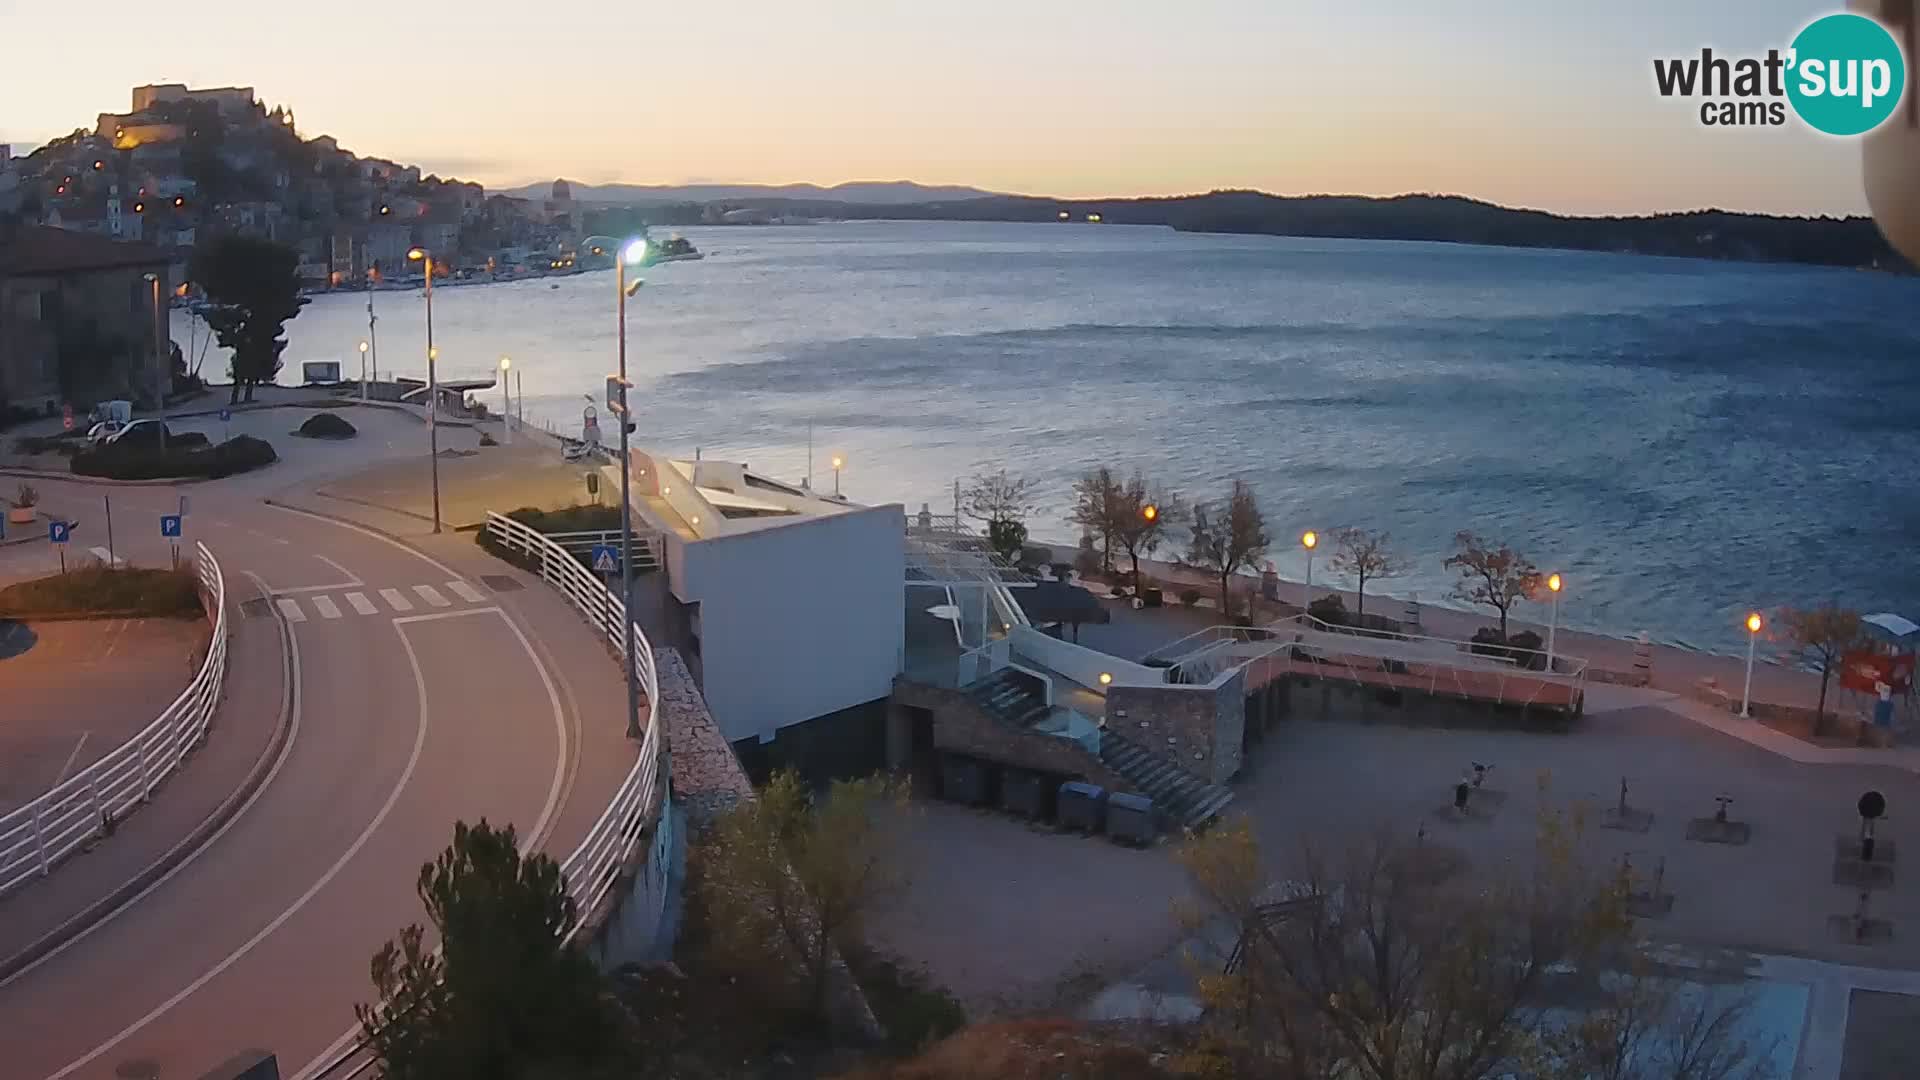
{"x":57,"y":531}
{"x":170,"y":525}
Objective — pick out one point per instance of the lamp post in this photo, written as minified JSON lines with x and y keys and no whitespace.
{"x":625,"y":253}
{"x":159,"y":357}
{"x":506,"y":402}
{"x":425,"y":257}
{"x":363,"y":371}
{"x":1553,"y":623}
{"x":838,"y":461}
{"x":1308,"y":540}
{"x":1754,"y":622}
{"x":372,"y":347}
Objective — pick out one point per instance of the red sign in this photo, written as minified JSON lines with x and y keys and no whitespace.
{"x":66,"y":417}
{"x":1862,"y":670}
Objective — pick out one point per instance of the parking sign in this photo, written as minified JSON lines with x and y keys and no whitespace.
{"x":170,"y":526}
{"x":57,"y":531}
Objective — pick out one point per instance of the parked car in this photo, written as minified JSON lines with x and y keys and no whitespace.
{"x":147,"y":432}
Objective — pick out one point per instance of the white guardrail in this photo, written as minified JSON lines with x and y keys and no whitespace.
{"x":594,"y":867}
{"x":86,"y":805}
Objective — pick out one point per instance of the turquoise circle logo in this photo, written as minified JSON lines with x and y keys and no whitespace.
{"x":1847,"y":74}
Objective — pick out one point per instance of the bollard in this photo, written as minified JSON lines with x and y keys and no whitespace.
{"x":1720,"y":815}
{"x":1643,"y":659}
{"x":1461,"y":791}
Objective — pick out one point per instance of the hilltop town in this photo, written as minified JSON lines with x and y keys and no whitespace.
{"x":182,"y":164}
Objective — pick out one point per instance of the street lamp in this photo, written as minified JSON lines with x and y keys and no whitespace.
{"x":363,"y":371}
{"x":425,"y":258}
{"x":1754,"y":622}
{"x":838,"y":461}
{"x":1308,"y":540}
{"x":1553,"y":625}
{"x":159,"y":357}
{"x":630,"y":253}
{"x":506,"y":402}
{"x":1150,"y":513}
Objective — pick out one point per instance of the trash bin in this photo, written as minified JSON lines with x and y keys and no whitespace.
{"x":1082,"y":805}
{"x":1023,"y":793}
{"x":1130,"y":819}
{"x":963,"y":780}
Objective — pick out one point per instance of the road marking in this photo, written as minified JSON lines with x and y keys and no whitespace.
{"x":107,"y":558}
{"x":68,"y":767}
{"x":465,"y":592}
{"x":352,"y":578}
{"x":364,"y":531}
{"x":432,"y":596}
{"x":290,"y":708}
{"x":361,"y":604}
{"x":396,"y":600}
{"x":326,"y":607}
{"x":461,"y":614}
{"x":393,"y":798}
{"x":290,"y":608}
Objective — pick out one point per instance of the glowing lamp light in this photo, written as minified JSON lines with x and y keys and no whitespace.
{"x":386,"y":210}
{"x":416,"y":254}
{"x":1309,"y":539}
{"x":838,"y":461}
{"x":363,"y":347}
{"x":506,"y":362}
{"x":179,"y":200}
{"x":1754,"y":623}
{"x":1150,"y":512}
{"x":1106,"y":678}
{"x":634,"y":252}
{"x":139,"y":208}
{"x":98,"y":165}
{"x":1553,"y":582}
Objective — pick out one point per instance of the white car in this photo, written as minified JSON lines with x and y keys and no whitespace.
{"x":107,"y":432}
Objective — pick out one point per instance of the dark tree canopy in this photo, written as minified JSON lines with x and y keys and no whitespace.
{"x":253,"y":286}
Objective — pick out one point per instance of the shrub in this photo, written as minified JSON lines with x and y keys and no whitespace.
{"x":1087,"y":561}
{"x":1190,"y":596}
{"x":103,"y":591}
{"x":27,"y":497}
{"x":116,"y":462}
{"x":1488,"y":642}
{"x":326,"y":425}
{"x":1525,"y":648}
{"x":1329,"y":609}
{"x":488,"y":440}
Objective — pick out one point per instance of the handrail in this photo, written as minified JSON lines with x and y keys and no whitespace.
{"x":88,"y":804}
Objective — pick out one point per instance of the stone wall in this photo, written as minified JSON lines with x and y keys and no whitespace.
{"x":1199,"y":728}
{"x":1334,"y":699}
{"x":961,"y":726}
{"x":1843,"y":723}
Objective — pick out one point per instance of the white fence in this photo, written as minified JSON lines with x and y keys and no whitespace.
{"x":594,"y":867}
{"x":87,"y":804}
{"x":646,"y":546}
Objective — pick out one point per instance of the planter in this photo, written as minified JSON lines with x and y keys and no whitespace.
{"x":1150,"y":597}
{"x":20,"y":515}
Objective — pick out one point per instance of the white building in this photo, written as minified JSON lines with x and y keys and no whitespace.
{"x":795,"y":598}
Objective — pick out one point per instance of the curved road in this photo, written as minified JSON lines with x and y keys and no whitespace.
{"x":418,"y":698}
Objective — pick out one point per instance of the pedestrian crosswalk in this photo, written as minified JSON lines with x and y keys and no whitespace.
{"x":298,"y":609}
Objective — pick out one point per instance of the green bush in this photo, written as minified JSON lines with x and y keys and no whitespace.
{"x":238,"y":454}
{"x":326,"y":425}
{"x":1190,"y":596}
{"x":103,"y":591}
{"x":1329,"y":609}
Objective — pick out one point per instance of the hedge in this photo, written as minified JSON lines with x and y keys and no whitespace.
{"x":238,"y":454}
{"x":118,"y":591}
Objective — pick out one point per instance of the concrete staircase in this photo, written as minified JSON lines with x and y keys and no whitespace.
{"x":1011,"y":696}
{"x":1183,"y":797}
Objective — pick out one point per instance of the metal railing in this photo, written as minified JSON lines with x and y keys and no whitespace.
{"x":593,"y":870}
{"x":90,"y":803}
{"x":646,"y":545}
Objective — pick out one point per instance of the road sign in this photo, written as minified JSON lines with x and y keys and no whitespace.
{"x":170,"y":525}
{"x":183,"y":506}
{"x":605,"y":558}
{"x":66,"y":418}
{"x":616,"y":394}
{"x":58,"y":531}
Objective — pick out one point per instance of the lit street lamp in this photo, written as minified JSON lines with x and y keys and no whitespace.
{"x":160,"y":357}
{"x":363,"y":371}
{"x":1308,"y":540}
{"x":838,"y":461}
{"x":506,"y":403}
{"x":425,"y":257}
{"x":1553,"y":625}
{"x":1754,"y":622}
{"x":628,"y":253}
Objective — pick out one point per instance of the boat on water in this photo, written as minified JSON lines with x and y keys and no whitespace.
{"x":672,"y":249}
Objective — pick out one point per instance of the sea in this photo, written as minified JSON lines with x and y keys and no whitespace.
{"x":1682,"y":440}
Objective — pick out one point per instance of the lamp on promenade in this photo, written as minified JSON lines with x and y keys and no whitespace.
{"x":1308,"y":540}
{"x":425,"y":257}
{"x":506,"y":403}
{"x":363,"y":371}
{"x":1553,"y":624}
{"x":1754,"y":623}
{"x":838,"y":461}
{"x":160,"y":357}
{"x":627,"y":253}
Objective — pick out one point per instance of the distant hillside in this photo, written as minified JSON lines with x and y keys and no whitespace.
{"x":1710,"y":234}
{"x":872,"y":192}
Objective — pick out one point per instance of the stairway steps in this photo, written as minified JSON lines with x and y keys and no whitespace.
{"x":1182,"y":796}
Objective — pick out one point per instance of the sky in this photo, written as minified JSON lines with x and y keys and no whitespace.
{"x":1546,"y":104}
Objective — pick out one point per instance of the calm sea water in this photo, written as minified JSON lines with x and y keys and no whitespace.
{"x":1682,"y":439}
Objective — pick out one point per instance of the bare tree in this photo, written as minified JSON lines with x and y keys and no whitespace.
{"x":1364,"y":556}
{"x":1094,"y":495}
{"x":1223,"y":542}
{"x":1003,"y":503}
{"x":1495,"y":577}
{"x":1823,"y":635}
{"x":1140,"y":518}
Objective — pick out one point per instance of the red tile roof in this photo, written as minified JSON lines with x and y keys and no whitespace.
{"x":41,"y":249}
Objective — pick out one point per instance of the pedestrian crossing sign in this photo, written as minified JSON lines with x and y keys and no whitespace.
{"x":605,"y":559}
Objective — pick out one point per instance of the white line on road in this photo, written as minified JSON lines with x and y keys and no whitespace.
{"x":290,"y":608}
{"x":465,"y":592}
{"x":396,"y":600}
{"x":361,"y":604}
{"x":352,"y":578}
{"x":432,"y":596}
{"x":68,"y":767}
{"x":393,"y":798}
{"x":364,"y":531}
{"x":461,"y":614}
{"x":326,"y":607}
